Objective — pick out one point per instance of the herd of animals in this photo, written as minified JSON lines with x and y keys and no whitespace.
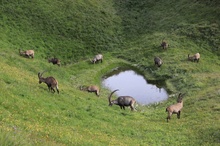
{"x":122,"y":101}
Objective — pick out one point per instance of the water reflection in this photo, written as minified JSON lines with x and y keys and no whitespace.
{"x":130,"y":83}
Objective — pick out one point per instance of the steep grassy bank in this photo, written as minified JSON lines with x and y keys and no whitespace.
{"x":198,"y":20}
{"x":67,"y":29}
{"x":30,"y":115}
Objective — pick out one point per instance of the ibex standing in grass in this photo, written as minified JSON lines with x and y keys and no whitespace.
{"x":50,"y":81}
{"x":122,"y":101}
{"x":158,"y":61}
{"x":92,"y":88}
{"x":175,"y":108}
{"x":97,"y":58}
{"x":194,"y":58}
{"x":164,"y":44}
{"x":27,"y":53}
{"x":54,"y":61}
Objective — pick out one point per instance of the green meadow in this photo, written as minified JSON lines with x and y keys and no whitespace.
{"x":127,"y":33}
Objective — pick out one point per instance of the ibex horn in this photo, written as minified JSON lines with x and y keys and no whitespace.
{"x":43,"y":72}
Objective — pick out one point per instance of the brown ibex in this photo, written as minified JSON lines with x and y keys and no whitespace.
{"x":97,"y":58}
{"x":122,"y":101}
{"x":175,"y":108}
{"x":194,"y":58}
{"x":27,"y":53}
{"x":50,"y":81}
{"x":164,"y":44}
{"x":92,"y":88}
{"x":54,"y":61}
{"x":158,"y":61}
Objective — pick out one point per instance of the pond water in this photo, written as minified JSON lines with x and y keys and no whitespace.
{"x":133,"y":84}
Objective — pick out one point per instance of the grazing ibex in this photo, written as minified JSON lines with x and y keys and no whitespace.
{"x":164,"y":44}
{"x":97,"y":58}
{"x":92,"y":88}
{"x":175,"y":108}
{"x":194,"y":58}
{"x":50,"y":81}
{"x":27,"y":53}
{"x":158,"y":61}
{"x":122,"y":101}
{"x":54,"y":61}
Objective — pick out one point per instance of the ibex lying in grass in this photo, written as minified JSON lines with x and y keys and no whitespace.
{"x":194,"y":58}
{"x":27,"y":53}
{"x":164,"y":44}
{"x":122,"y":101}
{"x":50,"y":81}
{"x":97,"y":58}
{"x":54,"y":61}
{"x":158,"y":61}
{"x":92,"y":88}
{"x":175,"y":108}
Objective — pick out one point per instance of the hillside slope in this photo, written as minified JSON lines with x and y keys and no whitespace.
{"x":67,"y":29}
{"x":127,"y":33}
{"x":188,"y":18}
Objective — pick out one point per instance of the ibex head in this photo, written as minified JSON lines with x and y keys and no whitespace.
{"x":40,"y":77}
{"x":109,"y":98}
{"x":180,"y":97}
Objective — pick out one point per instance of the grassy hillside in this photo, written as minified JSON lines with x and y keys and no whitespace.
{"x":197,"y":20}
{"x":127,"y":33}
{"x":67,"y":29}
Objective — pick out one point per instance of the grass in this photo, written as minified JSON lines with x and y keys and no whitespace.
{"x":128,"y":33}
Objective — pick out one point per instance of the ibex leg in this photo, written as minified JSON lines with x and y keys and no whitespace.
{"x":178,"y":115}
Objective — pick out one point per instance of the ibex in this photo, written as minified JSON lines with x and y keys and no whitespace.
{"x":158,"y":61}
{"x":164,"y":44}
{"x":54,"y":61}
{"x":97,"y":58}
{"x":122,"y":101}
{"x":175,"y":108}
{"x":194,"y":58}
{"x":50,"y":81}
{"x":27,"y":53}
{"x":92,"y":88}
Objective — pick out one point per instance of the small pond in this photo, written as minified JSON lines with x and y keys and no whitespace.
{"x":131,"y":83}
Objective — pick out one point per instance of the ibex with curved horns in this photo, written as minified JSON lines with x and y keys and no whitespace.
{"x":175,"y":108}
{"x":50,"y":81}
{"x":122,"y":101}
